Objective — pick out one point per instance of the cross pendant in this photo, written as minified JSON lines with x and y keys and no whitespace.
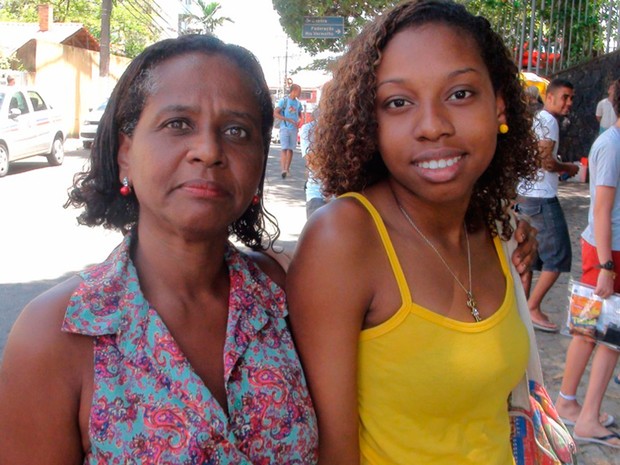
{"x":471,"y":303}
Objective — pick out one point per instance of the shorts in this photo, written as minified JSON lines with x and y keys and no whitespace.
{"x":589,"y":261}
{"x":288,"y":138}
{"x":554,"y":249}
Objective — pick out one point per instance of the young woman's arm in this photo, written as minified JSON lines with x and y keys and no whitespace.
{"x":41,"y":378}
{"x":329,"y":294}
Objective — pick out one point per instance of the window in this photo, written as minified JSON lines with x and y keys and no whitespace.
{"x":19,"y":101}
{"x":37,"y":102}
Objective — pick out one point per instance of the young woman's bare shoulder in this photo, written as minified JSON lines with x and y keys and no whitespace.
{"x":343,"y":222}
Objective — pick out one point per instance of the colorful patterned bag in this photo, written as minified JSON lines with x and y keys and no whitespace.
{"x":538,"y":435}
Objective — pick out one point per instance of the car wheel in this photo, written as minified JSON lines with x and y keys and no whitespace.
{"x":4,"y":160}
{"x":87,"y":144}
{"x":57,"y":155}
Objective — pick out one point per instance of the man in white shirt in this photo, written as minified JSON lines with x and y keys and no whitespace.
{"x":539,"y":201}
{"x":605,"y":114}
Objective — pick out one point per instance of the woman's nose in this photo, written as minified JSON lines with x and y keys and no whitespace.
{"x":207,"y":149}
{"x":433,"y":122}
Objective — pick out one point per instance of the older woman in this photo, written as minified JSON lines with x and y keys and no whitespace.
{"x":175,"y":349}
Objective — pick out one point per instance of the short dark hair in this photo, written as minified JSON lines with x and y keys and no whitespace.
{"x":294,"y":86}
{"x":559,"y":83}
{"x":97,"y":189}
{"x":616,"y":100}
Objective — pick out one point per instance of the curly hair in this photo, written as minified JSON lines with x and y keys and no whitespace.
{"x":97,"y":189}
{"x":347,"y":153}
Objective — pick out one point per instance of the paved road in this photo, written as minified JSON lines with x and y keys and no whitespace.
{"x":42,"y":245}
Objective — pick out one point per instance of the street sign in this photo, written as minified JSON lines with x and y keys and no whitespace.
{"x":323,"y":27}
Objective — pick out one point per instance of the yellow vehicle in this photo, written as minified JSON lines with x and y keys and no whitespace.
{"x":532,"y":79}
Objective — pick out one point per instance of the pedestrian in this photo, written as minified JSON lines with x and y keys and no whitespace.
{"x":600,"y":253}
{"x":534,"y":102}
{"x":538,"y":200}
{"x":314,"y":197}
{"x":175,"y":349}
{"x":415,"y":342}
{"x":10,"y":81}
{"x":288,"y":110}
{"x":605,"y":113}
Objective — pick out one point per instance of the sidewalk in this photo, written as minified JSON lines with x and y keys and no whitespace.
{"x":285,"y":199}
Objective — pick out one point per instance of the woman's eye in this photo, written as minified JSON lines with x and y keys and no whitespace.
{"x":397,"y":103}
{"x":177,"y":124}
{"x":461,"y":94}
{"x":237,"y":131}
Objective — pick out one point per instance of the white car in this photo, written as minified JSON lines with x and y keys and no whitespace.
{"x":29,"y":126}
{"x":90,"y":124}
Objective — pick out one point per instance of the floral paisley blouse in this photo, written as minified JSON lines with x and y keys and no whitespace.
{"x":150,"y":407}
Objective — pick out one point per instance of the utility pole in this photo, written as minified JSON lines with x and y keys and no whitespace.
{"x":285,"y":67}
{"x":104,"y":50}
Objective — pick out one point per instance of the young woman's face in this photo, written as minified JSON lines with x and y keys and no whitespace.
{"x":196,"y":156}
{"x":437,"y":112}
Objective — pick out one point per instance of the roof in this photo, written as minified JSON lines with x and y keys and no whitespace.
{"x":14,"y":35}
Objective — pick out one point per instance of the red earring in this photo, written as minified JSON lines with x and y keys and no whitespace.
{"x":125,"y":190}
{"x":255,"y":199}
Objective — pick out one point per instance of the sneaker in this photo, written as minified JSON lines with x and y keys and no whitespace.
{"x":284,"y":173}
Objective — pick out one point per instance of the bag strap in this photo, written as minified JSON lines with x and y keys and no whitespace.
{"x":521,"y":393}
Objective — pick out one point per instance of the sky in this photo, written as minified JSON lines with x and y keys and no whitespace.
{"x":257,"y":27}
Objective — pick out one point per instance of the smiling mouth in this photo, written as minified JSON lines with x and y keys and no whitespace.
{"x":438,"y":164}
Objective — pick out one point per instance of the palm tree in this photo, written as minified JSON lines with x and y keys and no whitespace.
{"x":207,"y":21}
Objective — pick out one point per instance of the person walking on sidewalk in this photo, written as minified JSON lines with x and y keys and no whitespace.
{"x":314,"y":197}
{"x":289,"y":111}
{"x":605,"y":113}
{"x":539,"y":201}
{"x":600,"y":253}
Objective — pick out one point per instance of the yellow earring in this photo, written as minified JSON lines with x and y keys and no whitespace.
{"x":503,"y":128}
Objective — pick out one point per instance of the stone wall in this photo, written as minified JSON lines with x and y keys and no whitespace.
{"x":591,"y":81}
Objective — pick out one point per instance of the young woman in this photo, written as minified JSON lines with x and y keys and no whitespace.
{"x":175,"y":349}
{"x":403,"y":304}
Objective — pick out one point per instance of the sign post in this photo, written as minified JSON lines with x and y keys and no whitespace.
{"x":323,"y":27}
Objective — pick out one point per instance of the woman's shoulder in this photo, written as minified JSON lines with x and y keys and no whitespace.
{"x":36,"y":336}
{"x":41,"y":319}
{"x":342,"y":229}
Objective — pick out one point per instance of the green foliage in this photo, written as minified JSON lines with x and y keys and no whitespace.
{"x":578,"y":22}
{"x":207,"y":21}
{"x":131,"y":24}
{"x":355,"y":13}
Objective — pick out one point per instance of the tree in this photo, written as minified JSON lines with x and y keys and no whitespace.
{"x":132,"y":25}
{"x":569,"y":31}
{"x":207,"y":21}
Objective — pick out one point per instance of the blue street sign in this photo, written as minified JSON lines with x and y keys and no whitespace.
{"x":323,"y":27}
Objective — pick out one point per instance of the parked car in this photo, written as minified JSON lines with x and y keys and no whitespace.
{"x":91,"y":123}
{"x":29,"y":126}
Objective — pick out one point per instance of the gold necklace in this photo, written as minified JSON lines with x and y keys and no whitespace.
{"x":471,"y":302}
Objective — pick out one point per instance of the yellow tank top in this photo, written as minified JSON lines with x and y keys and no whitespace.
{"x":433,"y":390}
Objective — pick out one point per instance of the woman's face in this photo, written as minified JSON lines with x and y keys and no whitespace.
{"x":437,"y":112}
{"x":196,"y":156}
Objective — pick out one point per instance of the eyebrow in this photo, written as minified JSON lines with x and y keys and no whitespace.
{"x":451,"y":75}
{"x":196,"y":109}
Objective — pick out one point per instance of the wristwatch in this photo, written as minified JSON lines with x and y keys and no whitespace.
{"x":608,"y":265}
